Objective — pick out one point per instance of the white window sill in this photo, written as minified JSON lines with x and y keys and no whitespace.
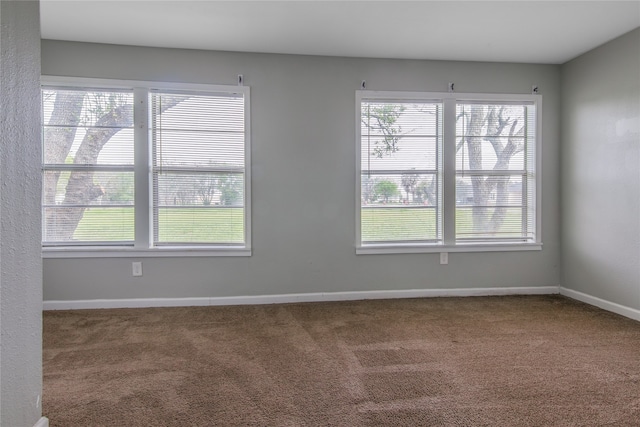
{"x":128,"y":252}
{"x":461,"y":247}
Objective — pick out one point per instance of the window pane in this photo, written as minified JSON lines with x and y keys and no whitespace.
{"x":200,"y":224}
{"x":399,"y":135}
{"x":199,"y":208}
{"x":87,"y":189}
{"x":406,"y":188}
{"x":78,"y":224}
{"x":492,"y":190}
{"x":399,"y":207}
{"x":400,"y":117}
{"x":199,"y":149}
{"x":400,"y":150}
{"x":475,"y":153}
{"x":77,"y":203}
{"x":199,"y":189}
{"x":419,"y":153}
{"x":87,"y":127}
{"x":198,"y":131}
{"x":490,"y":223}
{"x":495,"y":166}
{"x":188,"y":112}
{"x":397,"y":223}
{"x":198,"y":144}
{"x":493,"y":136}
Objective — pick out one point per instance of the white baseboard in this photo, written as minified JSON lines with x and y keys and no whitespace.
{"x":289,"y":298}
{"x":42,"y":422}
{"x":124,"y":303}
{"x":629,"y":312}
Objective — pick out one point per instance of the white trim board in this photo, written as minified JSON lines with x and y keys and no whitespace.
{"x":42,"y":422}
{"x":289,"y":298}
{"x":622,"y":310}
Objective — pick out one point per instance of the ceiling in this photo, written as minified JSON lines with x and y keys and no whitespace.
{"x":550,"y":32}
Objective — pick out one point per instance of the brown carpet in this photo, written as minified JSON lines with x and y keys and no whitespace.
{"x":486,"y":361}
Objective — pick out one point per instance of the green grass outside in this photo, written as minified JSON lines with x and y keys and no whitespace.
{"x":226,"y":225}
{"x":218,"y":225}
{"x":201,"y":225}
{"x":385,"y":224}
{"x":105,"y":225}
{"x":392,"y":224}
{"x":511,"y":224}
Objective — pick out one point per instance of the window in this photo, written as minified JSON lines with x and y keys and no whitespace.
{"x":495,"y":179}
{"x":88,"y":166}
{"x":145,"y":167}
{"x":198,"y":168}
{"x":446,"y":172}
{"x":401,"y":186}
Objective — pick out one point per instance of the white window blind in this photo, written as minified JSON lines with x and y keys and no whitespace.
{"x":88,"y":166}
{"x":198,"y":170}
{"x":400,"y":144}
{"x":495,"y":171}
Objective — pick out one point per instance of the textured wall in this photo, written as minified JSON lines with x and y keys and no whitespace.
{"x":303,"y":153}
{"x":20,"y":262}
{"x":601,"y":172}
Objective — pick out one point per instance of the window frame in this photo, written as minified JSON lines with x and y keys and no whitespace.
{"x":449,"y":101}
{"x":143,"y":208}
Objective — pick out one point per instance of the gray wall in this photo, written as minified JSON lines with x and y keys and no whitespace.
{"x":303,"y":112}
{"x":20,"y":262}
{"x":601,"y":172}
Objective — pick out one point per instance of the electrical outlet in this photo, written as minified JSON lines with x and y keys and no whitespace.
{"x":137,"y":269}
{"x":444,"y":258}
